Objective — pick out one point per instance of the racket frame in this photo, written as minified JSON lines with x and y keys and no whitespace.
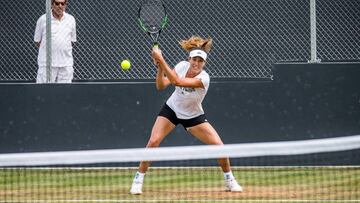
{"x":154,"y":35}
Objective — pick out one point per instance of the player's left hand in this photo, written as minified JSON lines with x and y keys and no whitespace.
{"x":156,"y":54}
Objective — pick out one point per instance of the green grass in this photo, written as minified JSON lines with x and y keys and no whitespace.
{"x":181,"y":184}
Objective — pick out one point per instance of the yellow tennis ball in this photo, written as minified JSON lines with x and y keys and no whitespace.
{"x":125,"y":64}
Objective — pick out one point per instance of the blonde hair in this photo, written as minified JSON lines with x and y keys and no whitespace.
{"x":196,"y":42}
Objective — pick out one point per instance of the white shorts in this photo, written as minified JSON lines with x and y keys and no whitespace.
{"x":58,"y":74}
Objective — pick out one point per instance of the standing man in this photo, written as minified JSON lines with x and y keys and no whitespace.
{"x":63,"y":34}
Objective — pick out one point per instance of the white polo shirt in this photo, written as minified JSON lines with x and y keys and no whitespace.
{"x":185,"y":101}
{"x":63,"y":32}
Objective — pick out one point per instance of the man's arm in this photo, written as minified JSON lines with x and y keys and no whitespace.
{"x":38,"y":32}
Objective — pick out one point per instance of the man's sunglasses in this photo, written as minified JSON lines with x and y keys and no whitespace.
{"x":58,"y":3}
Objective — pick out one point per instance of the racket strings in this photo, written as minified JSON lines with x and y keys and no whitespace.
{"x":153,"y":15}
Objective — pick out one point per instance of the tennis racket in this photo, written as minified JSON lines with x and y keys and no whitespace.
{"x":153,"y":19}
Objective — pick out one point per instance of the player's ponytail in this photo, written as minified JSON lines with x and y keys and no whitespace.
{"x":195,"y":42}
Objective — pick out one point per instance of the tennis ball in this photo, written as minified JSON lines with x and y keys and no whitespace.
{"x":125,"y":64}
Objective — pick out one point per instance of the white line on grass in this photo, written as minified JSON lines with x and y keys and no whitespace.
{"x":193,"y":200}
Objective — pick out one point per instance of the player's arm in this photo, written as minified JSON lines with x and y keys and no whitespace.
{"x":161,"y":80}
{"x":171,"y":74}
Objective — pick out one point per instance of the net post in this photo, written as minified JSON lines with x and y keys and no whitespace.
{"x":48,"y":41}
{"x":313,"y":52}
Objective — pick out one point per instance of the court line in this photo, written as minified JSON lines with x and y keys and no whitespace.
{"x":246,"y":167}
{"x":181,"y":167}
{"x":178,"y":200}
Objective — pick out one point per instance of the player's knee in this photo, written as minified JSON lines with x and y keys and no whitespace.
{"x":218,"y":143}
{"x":153,"y":143}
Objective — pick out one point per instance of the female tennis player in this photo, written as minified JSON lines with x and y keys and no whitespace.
{"x":184,"y":106}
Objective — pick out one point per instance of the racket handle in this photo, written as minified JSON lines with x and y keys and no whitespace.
{"x":156,"y":46}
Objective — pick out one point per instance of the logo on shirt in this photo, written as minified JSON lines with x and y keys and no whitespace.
{"x":187,"y":89}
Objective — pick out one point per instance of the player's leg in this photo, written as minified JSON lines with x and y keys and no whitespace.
{"x":160,"y":130}
{"x":162,"y":127}
{"x":208,"y":135}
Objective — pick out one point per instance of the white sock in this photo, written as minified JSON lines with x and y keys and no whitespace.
{"x":139,"y":177}
{"x":228,"y":176}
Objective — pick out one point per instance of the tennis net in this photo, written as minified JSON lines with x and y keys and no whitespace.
{"x":318,"y":170}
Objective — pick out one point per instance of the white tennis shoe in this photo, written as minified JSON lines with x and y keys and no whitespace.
{"x":136,"y":188}
{"x":232,"y":186}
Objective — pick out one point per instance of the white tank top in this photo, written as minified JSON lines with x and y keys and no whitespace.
{"x":185,"y":101}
